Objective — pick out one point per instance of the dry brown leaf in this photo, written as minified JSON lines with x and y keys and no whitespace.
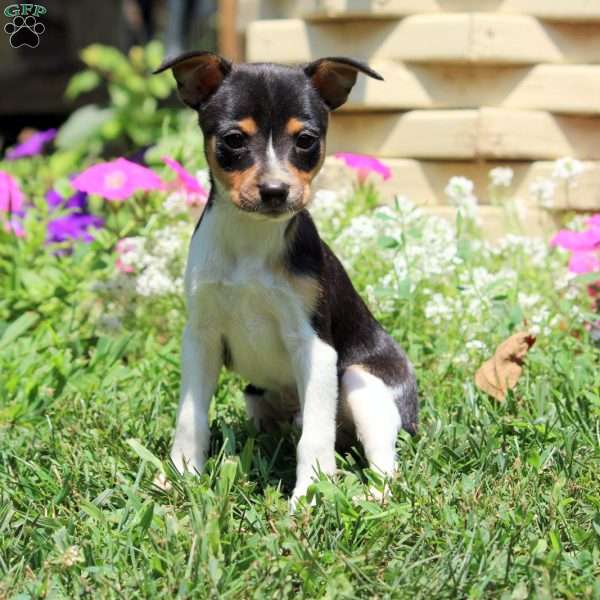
{"x":501,"y":372}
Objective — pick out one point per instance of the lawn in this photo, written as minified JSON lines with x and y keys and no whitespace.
{"x":493,"y":499}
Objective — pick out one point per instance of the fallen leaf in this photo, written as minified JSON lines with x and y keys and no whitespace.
{"x":501,"y":372}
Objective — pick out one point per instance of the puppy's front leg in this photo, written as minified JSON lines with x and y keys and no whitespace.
{"x":316,"y":366}
{"x":202,"y":359}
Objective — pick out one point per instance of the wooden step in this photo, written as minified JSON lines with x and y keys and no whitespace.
{"x":466,"y":134}
{"x":424,"y":181}
{"x":444,"y":38}
{"x":567,"y":89}
{"x":564,"y":10}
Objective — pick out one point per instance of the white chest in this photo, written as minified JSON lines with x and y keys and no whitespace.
{"x":252,"y":306}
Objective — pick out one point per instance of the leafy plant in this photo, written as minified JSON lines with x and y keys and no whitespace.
{"x":134,"y":116}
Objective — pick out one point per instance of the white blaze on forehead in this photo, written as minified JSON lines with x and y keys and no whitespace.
{"x":275,"y":168}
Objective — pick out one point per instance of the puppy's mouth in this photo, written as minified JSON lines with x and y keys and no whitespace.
{"x":258,"y":209}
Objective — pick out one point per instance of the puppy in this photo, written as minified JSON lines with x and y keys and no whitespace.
{"x":266,"y":297}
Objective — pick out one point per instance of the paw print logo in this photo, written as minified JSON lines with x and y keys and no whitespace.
{"x":24,"y":31}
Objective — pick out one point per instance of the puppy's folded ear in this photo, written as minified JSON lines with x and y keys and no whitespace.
{"x":335,"y":77}
{"x":198,"y":75}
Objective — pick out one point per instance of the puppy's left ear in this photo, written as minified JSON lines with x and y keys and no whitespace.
{"x":334,"y":78}
{"x":198,"y":75}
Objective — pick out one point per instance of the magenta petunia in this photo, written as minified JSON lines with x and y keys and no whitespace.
{"x":33,"y":145}
{"x":117,"y":180}
{"x":364,"y":165}
{"x":195,"y":193}
{"x":184,"y":177}
{"x":11,"y":197}
{"x":584,"y":262}
{"x":594,"y":220}
{"x":577,"y":241}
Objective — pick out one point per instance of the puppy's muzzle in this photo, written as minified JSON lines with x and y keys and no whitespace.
{"x":274,"y":196}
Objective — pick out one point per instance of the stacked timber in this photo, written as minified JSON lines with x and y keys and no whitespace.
{"x":469,"y":85}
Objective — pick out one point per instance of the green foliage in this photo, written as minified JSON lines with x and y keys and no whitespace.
{"x":135,"y":116}
{"x":491,"y":500}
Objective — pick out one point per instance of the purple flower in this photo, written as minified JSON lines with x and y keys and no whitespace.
{"x":364,"y":165}
{"x":78,"y":200}
{"x":117,"y":180}
{"x":74,"y":226}
{"x":11,"y":197}
{"x":33,"y":145}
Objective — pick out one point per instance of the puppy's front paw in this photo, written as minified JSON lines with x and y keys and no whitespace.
{"x":162,"y":483}
{"x":299,"y":494}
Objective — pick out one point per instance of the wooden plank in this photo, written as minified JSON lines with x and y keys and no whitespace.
{"x":228,"y":40}
{"x":444,"y":38}
{"x":569,"y":89}
{"x":466,"y":134}
{"x":565,"y":10}
{"x":424,"y":181}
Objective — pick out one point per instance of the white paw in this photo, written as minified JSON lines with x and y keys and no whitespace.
{"x":300,"y":494}
{"x":162,"y":483}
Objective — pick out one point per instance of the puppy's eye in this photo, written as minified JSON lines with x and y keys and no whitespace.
{"x":305,"y":141}
{"x":235,"y":140}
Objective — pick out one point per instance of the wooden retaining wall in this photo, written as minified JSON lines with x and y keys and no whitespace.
{"x":469,"y":85}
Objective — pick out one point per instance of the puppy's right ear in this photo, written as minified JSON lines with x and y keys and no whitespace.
{"x":198,"y":75}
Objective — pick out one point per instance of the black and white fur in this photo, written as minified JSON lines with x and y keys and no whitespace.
{"x":266,"y":296}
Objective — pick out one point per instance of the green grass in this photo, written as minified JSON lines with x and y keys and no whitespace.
{"x":494,"y":500}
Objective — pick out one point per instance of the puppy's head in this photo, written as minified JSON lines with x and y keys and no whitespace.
{"x":264,"y":125}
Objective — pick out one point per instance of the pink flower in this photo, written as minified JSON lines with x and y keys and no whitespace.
{"x":594,"y":220}
{"x":195,"y":193}
{"x":584,"y":262}
{"x":364,"y":165}
{"x":577,"y":241}
{"x":14,"y":226}
{"x":11,"y":197}
{"x":127,"y":249}
{"x":117,"y":180}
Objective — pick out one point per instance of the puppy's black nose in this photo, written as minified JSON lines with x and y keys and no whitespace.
{"x":274,"y":194}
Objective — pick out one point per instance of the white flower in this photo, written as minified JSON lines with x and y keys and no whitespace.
{"x":501,"y":176}
{"x":203,"y":177}
{"x":475,"y":345}
{"x":327,"y":206}
{"x":169,"y":243}
{"x":154,"y":281}
{"x":543,"y":190}
{"x":175,"y":203}
{"x":568,"y":168}
{"x":467,"y":207}
{"x":460,"y":193}
{"x":439,"y":309}
{"x":132,"y":252}
{"x":459,"y":187}
{"x":528,"y":300}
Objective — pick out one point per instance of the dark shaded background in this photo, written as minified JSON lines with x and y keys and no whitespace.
{"x":33,"y":80}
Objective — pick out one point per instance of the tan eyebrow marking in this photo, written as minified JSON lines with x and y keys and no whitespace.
{"x":248,"y":126}
{"x":294,"y":126}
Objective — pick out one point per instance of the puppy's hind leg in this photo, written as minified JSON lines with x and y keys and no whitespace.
{"x":370,"y":405}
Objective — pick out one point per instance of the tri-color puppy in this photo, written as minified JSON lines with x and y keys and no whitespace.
{"x":266,"y":297}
